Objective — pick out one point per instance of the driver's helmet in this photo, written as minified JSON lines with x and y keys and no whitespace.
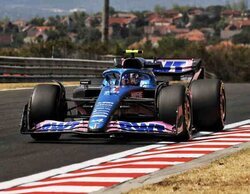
{"x":134,"y":79}
{"x":125,"y":79}
{"x":131,"y":79}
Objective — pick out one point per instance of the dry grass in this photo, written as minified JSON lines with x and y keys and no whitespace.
{"x":28,"y":85}
{"x":230,"y":174}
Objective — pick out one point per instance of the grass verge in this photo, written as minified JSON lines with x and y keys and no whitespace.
{"x":230,"y":175}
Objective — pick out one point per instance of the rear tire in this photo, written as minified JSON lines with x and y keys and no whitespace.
{"x":209,"y":104}
{"x":47,"y":103}
{"x":174,"y":107}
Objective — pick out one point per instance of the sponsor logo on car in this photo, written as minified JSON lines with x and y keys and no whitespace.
{"x":147,"y":127}
{"x":97,"y":120}
{"x":57,"y":126}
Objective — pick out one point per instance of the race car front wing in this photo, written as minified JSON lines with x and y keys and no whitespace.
{"x":81,"y":127}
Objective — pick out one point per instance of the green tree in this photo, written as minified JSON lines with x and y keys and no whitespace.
{"x":243,"y":37}
{"x":205,"y":20}
{"x":159,"y":9}
{"x":18,"y":39}
{"x":239,"y":5}
{"x":88,"y":35}
{"x":112,"y":10}
{"x":141,"y":18}
{"x":148,"y":50}
{"x":54,"y":21}
{"x":220,"y":25}
{"x":182,"y":9}
{"x":169,"y":46}
{"x":216,"y":9}
{"x":37,"y":21}
{"x":56,"y":34}
{"x":242,"y":5}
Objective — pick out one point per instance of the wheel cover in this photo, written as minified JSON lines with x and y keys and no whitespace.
{"x":222,"y":104}
{"x":187,"y":115}
{"x":183,"y":122}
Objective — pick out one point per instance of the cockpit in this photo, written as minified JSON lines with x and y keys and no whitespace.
{"x":128,"y":78}
{"x":112,"y":79}
{"x":131,"y":79}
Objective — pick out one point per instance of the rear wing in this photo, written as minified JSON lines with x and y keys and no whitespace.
{"x":173,"y":66}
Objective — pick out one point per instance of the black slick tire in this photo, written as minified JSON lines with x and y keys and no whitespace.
{"x":47,"y":103}
{"x":209,"y":104}
{"x":170,"y":100}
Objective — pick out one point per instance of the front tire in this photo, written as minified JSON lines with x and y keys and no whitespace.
{"x":47,"y":103}
{"x":174,"y":107}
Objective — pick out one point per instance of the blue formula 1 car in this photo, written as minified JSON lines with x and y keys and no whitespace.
{"x":168,"y":97}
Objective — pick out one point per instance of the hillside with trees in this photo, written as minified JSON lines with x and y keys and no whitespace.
{"x":217,"y":34}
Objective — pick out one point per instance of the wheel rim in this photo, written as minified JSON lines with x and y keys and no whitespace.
{"x":222,"y":104}
{"x":187,"y":115}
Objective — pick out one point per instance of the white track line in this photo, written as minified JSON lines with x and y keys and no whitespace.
{"x":81,"y":179}
{"x":73,"y":167}
{"x":205,"y":142}
{"x":179,"y":149}
{"x":111,"y":170}
{"x":237,"y":124}
{"x":225,"y":135}
{"x":93,"y":162}
{"x":168,"y":155}
{"x":246,"y":126}
{"x":58,"y":189}
{"x":237,"y":130}
{"x":134,"y":163}
{"x":233,"y":139}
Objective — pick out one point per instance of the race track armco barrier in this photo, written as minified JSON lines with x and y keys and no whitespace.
{"x":104,"y":172}
{"x":28,"y":69}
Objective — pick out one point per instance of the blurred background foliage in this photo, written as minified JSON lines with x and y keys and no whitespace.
{"x":230,"y":62}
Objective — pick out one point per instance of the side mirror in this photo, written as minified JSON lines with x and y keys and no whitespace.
{"x":84,"y":83}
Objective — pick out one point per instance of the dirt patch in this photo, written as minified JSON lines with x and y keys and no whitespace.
{"x":230,"y":174}
{"x":29,"y":85}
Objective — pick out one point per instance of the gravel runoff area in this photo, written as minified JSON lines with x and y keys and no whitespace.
{"x":230,"y":174}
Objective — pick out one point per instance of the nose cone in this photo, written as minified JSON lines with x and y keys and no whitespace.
{"x":105,"y":106}
{"x":101,"y":115}
{"x":97,"y":125}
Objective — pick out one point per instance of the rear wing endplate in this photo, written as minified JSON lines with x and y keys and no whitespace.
{"x":173,"y":66}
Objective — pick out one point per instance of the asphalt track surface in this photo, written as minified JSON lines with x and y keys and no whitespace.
{"x":21,"y":156}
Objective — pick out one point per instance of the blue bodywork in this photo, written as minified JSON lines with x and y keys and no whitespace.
{"x":118,"y":86}
{"x":113,"y":91}
{"x":173,"y":66}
